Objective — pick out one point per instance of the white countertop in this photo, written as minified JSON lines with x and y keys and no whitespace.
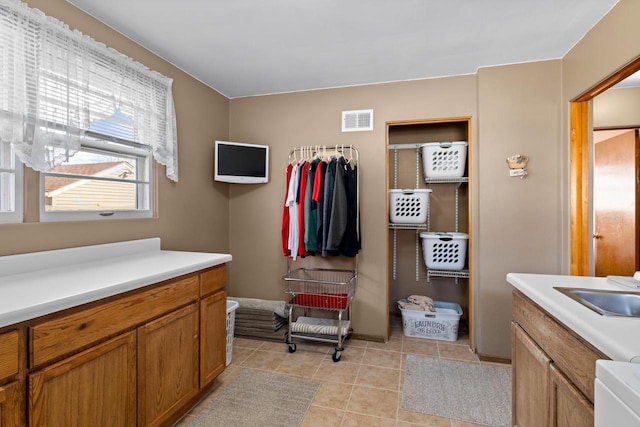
{"x":39,"y":283}
{"x":617,"y":337}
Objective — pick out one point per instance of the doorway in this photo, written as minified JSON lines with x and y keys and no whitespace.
{"x":615,"y":202}
{"x":581,"y":168}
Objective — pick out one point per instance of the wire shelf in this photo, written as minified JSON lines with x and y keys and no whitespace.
{"x":457,"y":274}
{"x":407,"y":226}
{"x":460,"y":180}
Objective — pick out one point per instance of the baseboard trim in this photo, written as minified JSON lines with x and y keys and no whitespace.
{"x":364,"y":337}
{"x":493,"y":359}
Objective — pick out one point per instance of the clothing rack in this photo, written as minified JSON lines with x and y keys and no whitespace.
{"x":350,"y":152}
{"x":323,"y":288}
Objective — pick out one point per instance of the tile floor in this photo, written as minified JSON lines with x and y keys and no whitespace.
{"x":363,"y":389}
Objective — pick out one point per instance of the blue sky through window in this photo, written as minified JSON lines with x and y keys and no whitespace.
{"x":118,"y":125}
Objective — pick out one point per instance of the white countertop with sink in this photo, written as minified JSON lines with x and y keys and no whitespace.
{"x":40,"y":283}
{"x":617,"y":337}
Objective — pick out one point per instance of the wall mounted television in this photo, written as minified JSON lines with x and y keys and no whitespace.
{"x":241,"y":163}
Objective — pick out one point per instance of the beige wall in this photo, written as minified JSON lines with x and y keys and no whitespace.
{"x":608,"y":46}
{"x":310,"y":118}
{"x":617,"y":108}
{"x":192,"y":214}
{"x":519,"y":220}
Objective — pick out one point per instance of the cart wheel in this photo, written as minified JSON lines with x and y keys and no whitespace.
{"x":336,"y":355}
{"x":292,"y":347}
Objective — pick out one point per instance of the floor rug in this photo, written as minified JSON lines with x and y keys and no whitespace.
{"x":472,"y":392}
{"x":257,"y":398}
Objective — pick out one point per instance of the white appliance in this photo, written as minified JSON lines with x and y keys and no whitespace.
{"x":617,"y":394}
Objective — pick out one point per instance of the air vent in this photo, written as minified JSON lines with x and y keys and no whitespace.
{"x":357,"y":120}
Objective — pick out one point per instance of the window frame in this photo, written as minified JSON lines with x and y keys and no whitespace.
{"x":105,"y":144}
{"x":17,"y":215}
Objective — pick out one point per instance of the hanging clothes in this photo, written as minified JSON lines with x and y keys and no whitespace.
{"x":318,"y":199}
{"x":310,"y":208}
{"x":285,"y":214}
{"x":338,"y":219}
{"x":321,"y":207}
{"x":301,"y":211}
{"x":351,"y":244}
{"x":292,"y":205}
{"x":329,"y":182}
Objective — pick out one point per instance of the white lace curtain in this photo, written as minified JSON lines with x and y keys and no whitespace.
{"x":56,"y":84}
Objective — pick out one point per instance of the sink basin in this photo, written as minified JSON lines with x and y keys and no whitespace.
{"x":606,"y":303}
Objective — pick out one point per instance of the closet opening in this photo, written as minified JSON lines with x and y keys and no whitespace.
{"x":429,"y":241}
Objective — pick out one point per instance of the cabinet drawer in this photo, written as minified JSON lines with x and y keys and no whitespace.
{"x":68,"y":333}
{"x":574,"y":357}
{"x":213,"y":280}
{"x":8,"y":354}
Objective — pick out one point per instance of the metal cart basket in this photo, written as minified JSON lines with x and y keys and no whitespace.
{"x":324,"y":289}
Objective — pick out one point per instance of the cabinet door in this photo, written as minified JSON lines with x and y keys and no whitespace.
{"x":10,"y":408}
{"x":569,"y":407}
{"x":530,"y":372}
{"x":96,"y":387}
{"x":9,"y":351}
{"x":167,"y":365}
{"x":213,"y":347}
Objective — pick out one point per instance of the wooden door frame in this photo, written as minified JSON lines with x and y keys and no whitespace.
{"x":580,"y":167}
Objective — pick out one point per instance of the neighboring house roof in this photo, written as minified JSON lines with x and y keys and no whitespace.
{"x":56,"y":184}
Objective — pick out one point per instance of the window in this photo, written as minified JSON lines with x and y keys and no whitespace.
{"x":10,"y":185}
{"x":88,"y":118}
{"x":105,"y":179}
{"x":109,"y":177}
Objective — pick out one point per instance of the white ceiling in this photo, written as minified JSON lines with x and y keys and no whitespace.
{"x":254,"y":47}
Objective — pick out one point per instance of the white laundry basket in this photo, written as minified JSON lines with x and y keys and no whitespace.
{"x":231,"y":320}
{"x":441,"y":325}
{"x":408,"y":206}
{"x":444,"y":251}
{"x":444,"y":159}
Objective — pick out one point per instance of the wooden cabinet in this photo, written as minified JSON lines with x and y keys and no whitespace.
{"x":213,"y":355}
{"x":11,"y":401}
{"x":530,"y":381}
{"x":9,"y":358}
{"x":10,"y":405}
{"x":142,"y":358}
{"x":213,"y":280}
{"x":569,"y":407}
{"x":213,"y":312}
{"x":65,"y":334}
{"x":167,"y":364}
{"x":553,"y":370}
{"x":96,"y":387}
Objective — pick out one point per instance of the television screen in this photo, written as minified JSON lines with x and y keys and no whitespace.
{"x":241,"y":163}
